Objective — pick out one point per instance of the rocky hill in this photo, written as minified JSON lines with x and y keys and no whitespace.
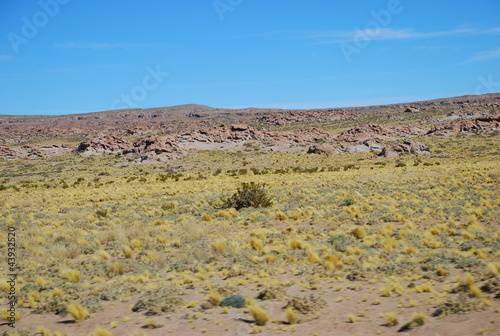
{"x":164,"y":134}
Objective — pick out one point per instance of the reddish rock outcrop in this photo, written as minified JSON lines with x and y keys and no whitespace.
{"x":376,"y":132}
{"x":164,"y":148}
{"x":489,"y":122}
{"x":104,"y":144}
{"x":322,"y":149}
{"x":222,"y":134}
{"x":406,"y":147}
{"x":412,"y":109}
{"x":7,"y":153}
{"x":159,"y":148}
{"x":34,"y":151}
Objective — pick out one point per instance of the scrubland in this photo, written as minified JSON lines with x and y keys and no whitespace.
{"x":351,"y":244}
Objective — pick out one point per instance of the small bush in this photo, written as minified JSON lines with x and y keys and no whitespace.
{"x":400,"y":164}
{"x":249,"y":195}
{"x":272,"y":293}
{"x":306,"y":304}
{"x":347,"y":202}
{"x":101,"y":213}
{"x":236,"y":301}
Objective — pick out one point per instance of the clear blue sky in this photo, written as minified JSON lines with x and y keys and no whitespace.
{"x":72,"y":56}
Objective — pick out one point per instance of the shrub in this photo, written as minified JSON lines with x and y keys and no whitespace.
{"x":306,"y":304}
{"x":101,"y":213}
{"x":158,"y":302}
{"x":347,"y":202}
{"x":341,"y":242}
{"x":272,"y":293}
{"x":248,"y":195}
{"x":236,"y":301}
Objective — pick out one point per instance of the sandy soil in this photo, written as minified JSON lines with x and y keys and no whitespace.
{"x":358,"y":297}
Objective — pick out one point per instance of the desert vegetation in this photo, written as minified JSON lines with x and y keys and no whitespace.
{"x":268,"y":242}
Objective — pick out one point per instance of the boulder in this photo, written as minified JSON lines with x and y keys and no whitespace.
{"x":322,"y":149}
{"x":239,"y":128}
{"x":7,"y":153}
{"x":412,"y":109}
{"x":388,"y":152}
{"x":406,"y":147}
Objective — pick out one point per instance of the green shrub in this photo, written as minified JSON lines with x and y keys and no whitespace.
{"x":347,"y":202}
{"x":101,"y":213}
{"x":248,"y":195}
{"x":236,"y":301}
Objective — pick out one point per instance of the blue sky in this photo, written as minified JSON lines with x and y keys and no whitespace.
{"x":73,"y":56}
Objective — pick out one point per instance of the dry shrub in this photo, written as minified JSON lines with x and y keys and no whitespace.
{"x":306,"y":304}
{"x":272,"y":293}
{"x":459,"y":304}
{"x":157,"y":302}
{"x":417,"y":320}
{"x":492,"y":286}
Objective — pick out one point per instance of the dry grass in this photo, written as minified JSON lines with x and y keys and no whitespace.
{"x":408,"y":235}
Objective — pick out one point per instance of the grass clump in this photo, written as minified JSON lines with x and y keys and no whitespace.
{"x":359,"y":232}
{"x":291,"y":316}
{"x":71,"y":275}
{"x":260,"y":316}
{"x":78,"y":312}
{"x":249,"y":195}
{"x":391,"y":319}
{"x":215,"y":299}
{"x":152,"y":324}
{"x":102,"y":332}
{"x":417,"y":320}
